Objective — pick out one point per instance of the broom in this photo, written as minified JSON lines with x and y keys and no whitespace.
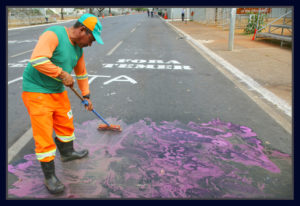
{"x":103,"y":127}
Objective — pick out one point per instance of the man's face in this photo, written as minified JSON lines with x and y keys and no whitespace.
{"x":86,"y":39}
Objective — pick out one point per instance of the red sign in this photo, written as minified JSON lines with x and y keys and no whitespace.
{"x":253,"y":10}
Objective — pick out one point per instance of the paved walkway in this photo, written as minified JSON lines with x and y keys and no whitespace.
{"x":264,"y":61}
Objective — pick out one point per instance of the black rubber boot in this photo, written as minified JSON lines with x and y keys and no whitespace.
{"x":51,"y":181}
{"x":67,"y":152}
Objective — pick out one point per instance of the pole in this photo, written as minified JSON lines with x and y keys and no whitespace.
{"x":185,"y":15}
{"x":232,"y":27}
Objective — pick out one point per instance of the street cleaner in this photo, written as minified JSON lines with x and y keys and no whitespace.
{"x":58,"y":51}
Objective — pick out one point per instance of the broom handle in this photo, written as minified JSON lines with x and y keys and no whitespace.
{"x":78,"y":95}
{"x":98,"y":115}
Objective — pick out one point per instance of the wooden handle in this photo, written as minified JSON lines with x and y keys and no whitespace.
{"x":78,"y":95}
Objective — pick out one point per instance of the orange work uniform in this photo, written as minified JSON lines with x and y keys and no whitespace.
{"x":45,"y":96}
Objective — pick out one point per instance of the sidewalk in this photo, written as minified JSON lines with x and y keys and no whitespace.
{"x":267,"y":63}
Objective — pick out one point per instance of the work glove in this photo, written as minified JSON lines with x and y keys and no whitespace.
{"x":66,"y":79}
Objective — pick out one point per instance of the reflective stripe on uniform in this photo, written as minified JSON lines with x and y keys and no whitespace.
{"x":39,"y":61}
{"x":66,"y":138}
{"x":57,"y":79}
{"x":41,"y":156}
{"x":81,"y":77}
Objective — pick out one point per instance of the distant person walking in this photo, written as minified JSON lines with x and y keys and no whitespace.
{"x":151,"y":13}
{"x":182,"y":15}
{"x":148,"y":12}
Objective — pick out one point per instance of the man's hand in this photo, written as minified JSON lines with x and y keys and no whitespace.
{"x":90,"y":106}
{"x":66,"y":79}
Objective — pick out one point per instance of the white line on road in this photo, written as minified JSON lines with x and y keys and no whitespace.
{"x":19,"y":144}
{"x":21,"y":53}
{"x":133,"y":30}
{"x":95,"y":76}
{"x":280,"y":103}
{"x":25,"y":27}
{"x":113,"y":49}
{"x":14,"y":80}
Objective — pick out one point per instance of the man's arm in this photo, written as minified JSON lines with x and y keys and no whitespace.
{"x":82,"y":77}
{"x":40,"y":58}
{"x":82,"y":80}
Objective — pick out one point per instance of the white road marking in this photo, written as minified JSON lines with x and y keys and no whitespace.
{"x":93,"y":77}
{"x":113,"y":49}
{"x":90,"y":79}
{"x":25,"y":27}
{"x":133,"y":30}
{"x":21,"y":41}
{"x":17,"y":79}
{"x":121,"y":78}
{"x":147,"y":64}
{"x":19,"y":144}
{"x":252,"y":84}
{"x":21,"y":53}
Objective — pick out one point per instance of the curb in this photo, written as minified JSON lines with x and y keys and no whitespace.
{"x":57,"y":22}
{"x":251,"y":83}
{"x":25,"y":27}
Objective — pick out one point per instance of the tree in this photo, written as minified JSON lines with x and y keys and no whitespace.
{"x":91,"y":10}
{"x":62,"y":13}
{"x":100,"y":10}
{"x":255,"y":21}
{"x":140,"y":9}
{"x":77,"y":10}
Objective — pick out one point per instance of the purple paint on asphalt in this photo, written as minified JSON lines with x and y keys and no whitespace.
{"x":150,"y":160}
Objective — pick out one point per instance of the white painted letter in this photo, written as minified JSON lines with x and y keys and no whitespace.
{"x":138,"y":61}
{"x":187,"y":68}
{"x":140,"y":66}
{"x":150,"y":66}
{"x":121,"y":78}
{"x":155,"y":62}
{"x":130,"y":66}
{"x":177,"y":67}
{"x":161,"y":67}
{"x":169,"y":67}
{"x":121,"y":61}
{"x":172,"y":62}
{"x":107,"y":65}
{"x":122,"y":66}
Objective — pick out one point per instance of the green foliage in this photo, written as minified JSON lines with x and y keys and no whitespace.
{"x":252,"y":23}
{"x":36,"y":12}
{"x":140,"y":9}
{"x":49,"y":12}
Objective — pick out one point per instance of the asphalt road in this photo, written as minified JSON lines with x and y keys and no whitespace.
{"x":179,"y":84}
{"x":143,"y":70}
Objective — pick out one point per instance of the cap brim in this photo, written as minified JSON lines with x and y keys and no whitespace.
{"x":98,"y":39}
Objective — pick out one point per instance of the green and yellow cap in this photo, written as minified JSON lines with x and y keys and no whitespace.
{"x":93,"y":24}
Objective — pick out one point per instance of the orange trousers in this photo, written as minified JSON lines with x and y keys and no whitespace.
{"x":48,"y":112}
